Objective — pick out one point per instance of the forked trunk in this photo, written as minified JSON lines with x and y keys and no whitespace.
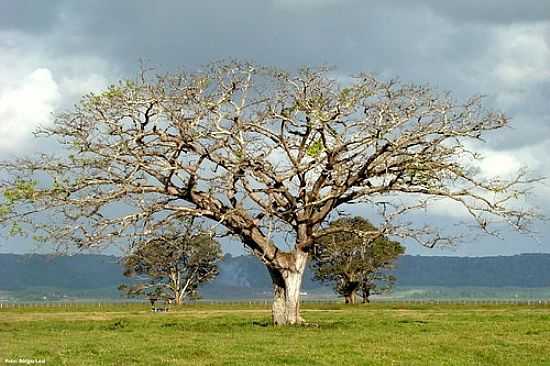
{"x":287,"y":282}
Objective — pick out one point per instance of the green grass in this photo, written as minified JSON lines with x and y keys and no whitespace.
{"x":378,"y":334}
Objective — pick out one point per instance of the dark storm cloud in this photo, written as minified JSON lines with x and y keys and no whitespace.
{"x":29,"y":15}
{"x":354,"y":36}
{"x":415,"y":40}
{"x":285,"y":33}
{"x":488,"y":11}
{"x":424,"y":41}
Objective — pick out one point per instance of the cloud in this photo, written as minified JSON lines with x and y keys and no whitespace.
{"x":522,"y":54}
{"x":40,"y":83}
{"x":500,"y":164}
{"x":307,"y":4}
{"x":532,"y":158}
{"x":25,"y":106}
{"x":487,"y":11}
{"x":29,"y":15}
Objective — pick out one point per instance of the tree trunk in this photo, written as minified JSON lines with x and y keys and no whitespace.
{"x":175,"y":285}
{"x":181,"y":292}
{"x":287,"y":277}
{"x":366,"y":294}
{"x":351,"y":298}
{"x":349,"y":289}
{"x":178,"y":298}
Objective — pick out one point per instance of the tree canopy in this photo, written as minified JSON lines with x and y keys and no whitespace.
{"x":172,"y":264}
{"x":354,"y":262}
{"x":260,"y":152}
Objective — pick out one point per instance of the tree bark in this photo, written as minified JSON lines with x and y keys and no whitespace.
{"x":366,"y":294}
{"x":174,"y":286}
{"x":178,"y":298}
{"x":351,"y":298}
{"x":349,"y":289}
{"x":287,"y":274}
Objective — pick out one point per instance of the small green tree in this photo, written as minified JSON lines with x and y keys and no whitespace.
{"x":172,"y":264}
{"x":355,"y":257}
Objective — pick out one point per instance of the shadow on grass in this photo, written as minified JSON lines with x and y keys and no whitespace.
{"x":409,"y":321}
{"x":118,"y":325}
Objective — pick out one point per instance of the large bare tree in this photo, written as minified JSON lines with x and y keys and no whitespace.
{"x":264,"y":154}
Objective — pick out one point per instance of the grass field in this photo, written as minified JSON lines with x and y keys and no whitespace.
{"x":377,"y":334}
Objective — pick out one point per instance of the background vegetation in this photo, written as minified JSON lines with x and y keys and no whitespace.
{"x":31,"y":277}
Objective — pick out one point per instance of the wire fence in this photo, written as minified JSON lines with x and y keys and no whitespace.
{"x":100,"y":305}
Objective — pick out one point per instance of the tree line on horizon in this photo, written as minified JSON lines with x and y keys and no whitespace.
{"x":93,"y":275}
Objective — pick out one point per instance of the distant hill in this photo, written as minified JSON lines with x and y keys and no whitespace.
{"x":71,"y":272}
{"x":524,"y":270}
{"x":244,"y":276}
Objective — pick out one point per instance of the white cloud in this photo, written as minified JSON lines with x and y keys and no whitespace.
{"x":25,"y":106}
{"x":513,"y":68}
{"x":522,"y":54}
{"x":75,"y":87}
{"x":504,"y":164}
{"x":39,"y":83}
{"x":533,"y":158}
{"x":448,"y":208}
{"x":499,"y":164}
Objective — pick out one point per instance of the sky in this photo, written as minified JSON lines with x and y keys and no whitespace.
{"x":52,"y":52}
